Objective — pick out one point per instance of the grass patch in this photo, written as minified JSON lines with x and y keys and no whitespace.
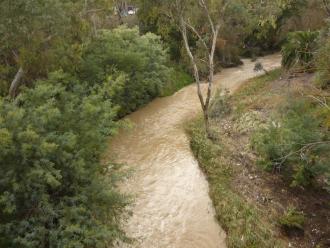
{"x":254,"y":93}
{"x":256,"y":85}
{"x":242,"y":221}
{"x":178,"y":80}
{"x":292,"y":220}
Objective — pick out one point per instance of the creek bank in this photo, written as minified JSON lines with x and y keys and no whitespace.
{"x":172,"y":207}
{"x":249,"y":201}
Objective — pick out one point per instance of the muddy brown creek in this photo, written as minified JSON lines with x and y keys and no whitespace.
{"x":171,"y":207}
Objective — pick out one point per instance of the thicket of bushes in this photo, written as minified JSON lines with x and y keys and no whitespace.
{"x":139,"y":62}
{"x":54,"y":192}
{"x":297,"y":141}
{"x":298,"y":51}
{"x":323,"y":59}
{"x":153,"y":19}
{"x":249,"y":28}
{"x":309,"y":51}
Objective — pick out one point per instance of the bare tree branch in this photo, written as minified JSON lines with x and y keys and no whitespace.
{"x":326,"y":7}
{"x":183,"y":29}
{"x":323,"y":101}
{"x":197,"y":34}
{"x":206,"y":10}
{"x":304,"y":148}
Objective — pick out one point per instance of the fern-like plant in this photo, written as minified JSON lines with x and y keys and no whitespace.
{"x":299,"y":49}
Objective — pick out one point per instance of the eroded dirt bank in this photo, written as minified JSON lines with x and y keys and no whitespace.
{"x":172,"y":207}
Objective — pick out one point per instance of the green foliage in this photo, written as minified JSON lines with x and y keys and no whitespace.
{"x":298,"y":51}
{"x":178,"y":79}
{"x":292,"y":220}
{"x":296,"y":143}
{"x":323,"y":60}
{"x":256,"y":85}
{"x":152,"y":19}
{"x":243,"y":223}
{"x":267,"y":21}
{"x":43,"y":36}
{"x":220,"y":105}
{"x":53,"y":190}
{"x":141,"y":60}
{"x":38,"y":36}
{"x":323,"y":66}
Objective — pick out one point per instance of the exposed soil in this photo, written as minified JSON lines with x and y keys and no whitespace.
{"x":269,"y":191}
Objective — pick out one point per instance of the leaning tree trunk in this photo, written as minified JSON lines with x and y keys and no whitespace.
{"x":204,"y":104}
{"x":16,"y":83}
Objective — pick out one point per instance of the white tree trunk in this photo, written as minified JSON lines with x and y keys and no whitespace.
{"x":16,"y":82}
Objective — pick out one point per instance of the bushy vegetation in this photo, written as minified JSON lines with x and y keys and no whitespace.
{"x":323,"y":59}
{"x":77,"y":79}
{"x":153,"y":17}
{"x":139,"y":61}
{"x":299,"y":49}
{"x":242,"y":221}
{"x":267,"y":27}
{"x":43,"y":36}
{"x":296,"y":142}
{"x":179,"y":78}
{"x":309,"y":51}
{"x":249,"y":28}
{"x":220,"y":105}
{"x":54,"y":190}
{"x":73,"y":77}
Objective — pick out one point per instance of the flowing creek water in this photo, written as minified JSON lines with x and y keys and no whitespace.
{"x":172,"y":208}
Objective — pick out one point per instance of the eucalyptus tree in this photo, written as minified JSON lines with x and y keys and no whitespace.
{"x":202,"y":19}
{"x":27,"y":30}
{"x":269,"y":17}
{"x":37,"y":37}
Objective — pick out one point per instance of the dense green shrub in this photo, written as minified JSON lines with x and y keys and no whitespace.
{"x":41,"y":36}
{"x":323,"y":59}
{"x":152,"y":19}
{"x":297,"y":143}
{"x":323,"y":66}
{"x":53,"y":190}
{"x":142,"y":59}
{"x":179,"y":78}
{"x":228,"y":56}
{"x":299,"y":49}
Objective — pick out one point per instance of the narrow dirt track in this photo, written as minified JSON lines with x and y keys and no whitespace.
{"x":172,"y":207}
